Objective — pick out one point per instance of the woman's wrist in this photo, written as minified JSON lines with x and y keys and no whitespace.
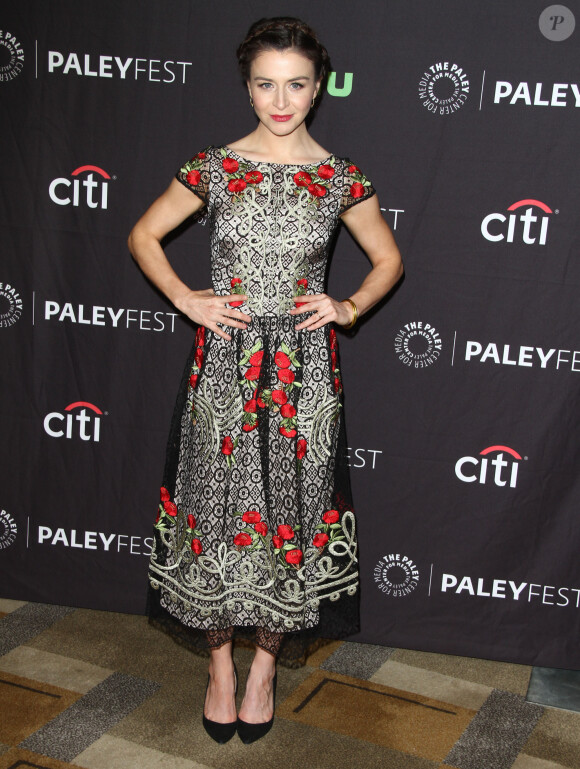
{"x":354,"y":313}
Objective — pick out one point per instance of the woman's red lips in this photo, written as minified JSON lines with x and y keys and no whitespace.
{"x":281,"y":118}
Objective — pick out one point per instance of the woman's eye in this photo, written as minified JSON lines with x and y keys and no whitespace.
{"x":265,"y":85}
{"x":296,"y":86}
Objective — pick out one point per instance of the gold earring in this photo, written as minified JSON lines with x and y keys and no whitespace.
{"x":312,"y":105}
{"x":252,"y":102}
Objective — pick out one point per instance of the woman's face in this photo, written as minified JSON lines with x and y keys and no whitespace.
{"x":282,"y":86}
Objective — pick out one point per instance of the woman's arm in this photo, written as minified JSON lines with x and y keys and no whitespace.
{"x":366,"y":224}
{"x":166,"y":213}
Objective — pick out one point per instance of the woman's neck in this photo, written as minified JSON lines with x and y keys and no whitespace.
{"x":298,"y":147}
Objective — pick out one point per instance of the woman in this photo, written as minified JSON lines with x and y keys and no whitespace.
{"x":255,"y":528}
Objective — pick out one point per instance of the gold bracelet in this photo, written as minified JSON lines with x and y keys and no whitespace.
{"x":354,"y":313}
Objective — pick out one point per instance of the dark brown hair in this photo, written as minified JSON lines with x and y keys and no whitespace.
{"x":279,"y":34}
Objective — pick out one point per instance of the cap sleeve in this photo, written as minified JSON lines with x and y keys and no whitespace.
{"x":356,"y":187}
{"x":195,"y":175}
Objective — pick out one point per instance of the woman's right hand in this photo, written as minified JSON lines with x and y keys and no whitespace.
{"x":207,"y":309}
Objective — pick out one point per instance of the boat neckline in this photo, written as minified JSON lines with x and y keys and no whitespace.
{"x":272,"y":163}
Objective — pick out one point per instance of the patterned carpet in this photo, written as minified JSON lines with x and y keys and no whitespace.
{"x":97,"y":690}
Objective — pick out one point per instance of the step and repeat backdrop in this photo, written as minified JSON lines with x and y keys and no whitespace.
{"x":462,"y":391}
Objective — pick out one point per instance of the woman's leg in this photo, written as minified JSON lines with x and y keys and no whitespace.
{"x":258,"y":704}
{"x":220,"y":702}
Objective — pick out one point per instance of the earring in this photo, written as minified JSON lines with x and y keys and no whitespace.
{"x":312,"y":105}
{"x":251,"y":102}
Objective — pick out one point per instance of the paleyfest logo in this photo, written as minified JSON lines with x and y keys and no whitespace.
{"x":11,"y":56}
{"x":8,"y":530}
{"x":443,"y":88}
{"x":10,"y":305}
{"x":118,"y":68}
{"x":418,"y":344}
{"x":396,"y":575}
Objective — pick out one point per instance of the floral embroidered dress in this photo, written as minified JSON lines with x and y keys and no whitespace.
{"x":255,"y":524}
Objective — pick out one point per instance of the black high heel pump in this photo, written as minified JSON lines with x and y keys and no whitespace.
{"x":221,"y":733}
{"x":249,"y":733}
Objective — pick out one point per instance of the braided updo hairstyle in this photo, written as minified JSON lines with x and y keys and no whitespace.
{"x":279,"y":34}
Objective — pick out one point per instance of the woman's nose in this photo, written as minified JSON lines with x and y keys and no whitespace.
{"x":280,"y":98}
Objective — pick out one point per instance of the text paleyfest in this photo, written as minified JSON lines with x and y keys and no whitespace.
{"x":95,"y":540}
{"x":523,"y":355}
{"x":100,"y":315}
{"x":526,"y":592}
{"x":538,"y":94}
{"x":104,"y":66}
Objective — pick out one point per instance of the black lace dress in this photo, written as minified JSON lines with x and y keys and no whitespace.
{"x":255,"y":525}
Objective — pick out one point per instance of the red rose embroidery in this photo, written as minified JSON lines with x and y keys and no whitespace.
{"x":242,"y":539}
{"x":277,"y":541}
{"x":165,"y":496}
{"x":193,"y":178}
{"x":320,"y":540}
{"x":250,"y":407}
{"x":333,"y":342}
{"x":191,"y":521}
{"x":288,"y":411}
{"x":357,"y":190}
{"x":282,"y":360}
{"x":318,"y":190}
{"x":279,"y":397}
{"x":227,"y":445}
{"x":261,"y":403}
{"x":235,"y":282}
{"x":198,"y":356}
{"x":237,"y":303}
{"x":353,"y":169}
{"x":261,"y":528}
{"x":285,"y":531}
{"x":252,"y":373}
{"x":300,"y":304}
{"x":200,"y":155}
{"x":193,"y":380}
{"x":294,"y":556}
{"x":333,"y":359}
{"x":248,"y":427}
{"x":325,"y":172}
{"x":256,"y":358}
{"x":301,"y":448}
{"x":302,"y":179}
{"x":200,"y":336}
{"x":288,"y":433}
{"x":286,"y":375}
{"x":237,"y":185}
{"x":336,"y":384}
{"x":302,"y":282}
{"x":196,"y":546}
{"x":330,"y":516}
{"x":170,"y":508}
{"x":230,"y":166}
{"x":253,"y":177}
{"x":251,"y":516}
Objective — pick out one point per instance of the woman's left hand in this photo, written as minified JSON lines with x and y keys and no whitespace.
{"x":325,"y":309}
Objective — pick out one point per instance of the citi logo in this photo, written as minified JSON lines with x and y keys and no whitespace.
{"x":66,"y":192}
{"x":528,"y":226}
{"x":472,"y":469}
{"x":86,"y":426}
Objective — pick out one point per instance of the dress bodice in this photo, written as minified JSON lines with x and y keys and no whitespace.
{"x":271,"y":224}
